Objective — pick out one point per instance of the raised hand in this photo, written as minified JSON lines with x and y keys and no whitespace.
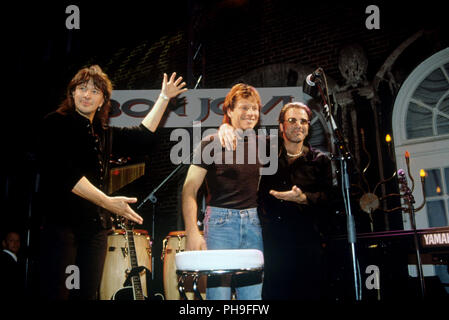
{"x":173,"y":86}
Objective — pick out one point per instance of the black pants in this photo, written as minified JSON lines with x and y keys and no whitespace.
{"x":61,"y":247}
{"x":295,"y":265}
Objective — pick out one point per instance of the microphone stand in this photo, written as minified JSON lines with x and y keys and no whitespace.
{"x":343,"y":156}
{"x":153,"y":200}
{"x":152,"y":196}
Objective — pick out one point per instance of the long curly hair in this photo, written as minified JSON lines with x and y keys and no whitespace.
{"x":101,"y":81}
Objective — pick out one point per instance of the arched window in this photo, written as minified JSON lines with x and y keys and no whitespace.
{"x":421,"y":127}
{"x":428,"y":109}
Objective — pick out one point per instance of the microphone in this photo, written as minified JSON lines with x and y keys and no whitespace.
{"x":314,"y":77}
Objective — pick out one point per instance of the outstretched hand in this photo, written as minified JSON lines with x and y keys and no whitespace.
{"x":120,"y":205}
{"x":172,"y":87}
{"x":294,"y":195}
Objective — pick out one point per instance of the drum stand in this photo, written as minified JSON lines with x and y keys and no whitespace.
{"x":343,"y":156}
{"x":216,"y":262}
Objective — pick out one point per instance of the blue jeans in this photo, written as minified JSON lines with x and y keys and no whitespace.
{"x":233,"y":229}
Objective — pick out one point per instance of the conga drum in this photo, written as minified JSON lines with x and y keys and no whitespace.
{"x":176,"y":242}
{"x":117,"y":261}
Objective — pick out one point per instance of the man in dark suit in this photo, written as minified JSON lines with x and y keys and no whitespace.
{"x":11,"y":277}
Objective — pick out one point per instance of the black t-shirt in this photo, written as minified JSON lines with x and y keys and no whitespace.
{"x":232,"y":176}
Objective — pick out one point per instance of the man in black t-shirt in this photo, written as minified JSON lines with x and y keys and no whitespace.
{"x":231,"y":220}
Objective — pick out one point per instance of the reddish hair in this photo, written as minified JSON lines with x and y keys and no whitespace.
{"x":100,"y":81}
{"x":239,"y":91}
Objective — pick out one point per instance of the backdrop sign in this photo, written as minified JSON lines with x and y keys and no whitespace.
{"x":129,"y":107}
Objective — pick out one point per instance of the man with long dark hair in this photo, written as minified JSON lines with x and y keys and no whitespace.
{"x":75,"y":146}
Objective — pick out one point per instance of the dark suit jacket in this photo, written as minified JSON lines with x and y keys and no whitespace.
{"x":11,"y":276}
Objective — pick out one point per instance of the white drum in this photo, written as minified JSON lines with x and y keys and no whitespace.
{"x":117,"y":261}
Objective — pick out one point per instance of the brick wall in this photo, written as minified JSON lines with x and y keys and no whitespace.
{"x":257,"y":34}
{"x":270,"y":32}
{"x":236,"y":39}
